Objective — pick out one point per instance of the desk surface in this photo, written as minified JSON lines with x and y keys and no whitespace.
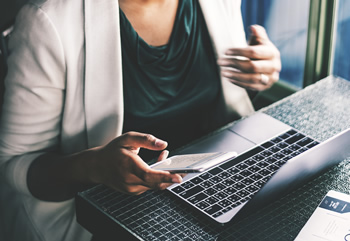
{"x":321,"y":111}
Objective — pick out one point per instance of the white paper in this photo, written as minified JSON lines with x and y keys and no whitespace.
{"x":330,"y":221}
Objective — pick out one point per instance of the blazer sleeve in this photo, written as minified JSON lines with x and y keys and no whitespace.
{"x":34,"y":96}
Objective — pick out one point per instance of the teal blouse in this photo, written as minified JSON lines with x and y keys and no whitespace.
{"x":170,"y":90}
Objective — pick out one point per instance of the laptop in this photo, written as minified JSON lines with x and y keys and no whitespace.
{"x":273,"y":158}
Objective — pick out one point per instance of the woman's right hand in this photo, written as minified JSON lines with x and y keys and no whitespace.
{"x":119,"y":166}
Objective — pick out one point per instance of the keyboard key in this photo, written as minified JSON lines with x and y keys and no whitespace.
{"x":238,"y":186}
{"x":187,"y":185}
{"x":241,"y":166}
{"x":258,"y":157}
{"x":247,"y":181}
{"x":278,"y":156}
{"x":252,"y":189}
{"x":264,"y":172}
{"x":245,"y":173}
{"x":190,"y":192}
{"x":274,"y":149}
{"x":228,"y":164}
{"x":295,"y":138}
{"x":215,"y":179}
{"x":294,"y":154}
{"x":280,"y":163}
{"x":197,"y":198}
{"x":305,"y":141}
{"x":202,"y":205}
{"x":221,"y":195}
{"x":276,"y":140}
{"x":284,"y":136}
{"x":262,"y":164}
{"x":224,"y":175}
{"x":228,"y":182}
{"x":294,"y":147}
{"x":236,"y":177}
{"x":266,"y":153}
{"x":301,"y":150}
{"x":250,"y":161}
{"x":178,"y":189}
{"x":196,"y":180}
{"x":270,"y":160}
{"x":249,"y":154}
{"x":272,"y":168}
{"x":233,"y":171}
{"x":225,"y":203}
{"x":219,"y":187}
{"x":243,"y":193}
{"x":206,"y":184}
{"x":235,"y":204}
{"x":215,"y":171}
{"x":292,"y":132}
{"x":213,"y":209}
{"x":312,"y":144}
{"x":225,"y":210}
{"x":234,"y":198}
{"x":211,"y":200}
{"x":210,"y":191}
{"x":286,"y":151}
{"x":254,"y":168}
{"x":205,"y":176}
{"x":230,"y":190}
{"x":260,"y":183}
{"x":256,"y":176}
{"x":268,"y":144}
{"x":282,"y":145}
{"x":218,"y":214}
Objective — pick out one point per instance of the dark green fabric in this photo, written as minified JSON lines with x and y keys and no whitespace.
{"x":169,"y":90}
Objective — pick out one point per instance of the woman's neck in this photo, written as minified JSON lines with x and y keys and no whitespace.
{"x":153,"y":20}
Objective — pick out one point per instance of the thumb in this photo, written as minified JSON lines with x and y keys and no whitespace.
{"x":135,"y":140}
{"x":258,"y":35}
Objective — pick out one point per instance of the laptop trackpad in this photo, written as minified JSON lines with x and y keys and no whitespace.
{"x":223,"y":141}
{"x":259,"y":127}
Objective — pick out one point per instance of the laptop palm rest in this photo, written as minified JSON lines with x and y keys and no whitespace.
{"x":242,"y":136}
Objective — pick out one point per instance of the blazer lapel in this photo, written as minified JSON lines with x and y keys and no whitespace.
{"x":225,"y":27}
{"x":103,"y":72}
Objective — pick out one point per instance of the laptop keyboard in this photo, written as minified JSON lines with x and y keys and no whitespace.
{"x":233,"y":183}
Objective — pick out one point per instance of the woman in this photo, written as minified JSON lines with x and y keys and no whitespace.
{"x":92,"y":82}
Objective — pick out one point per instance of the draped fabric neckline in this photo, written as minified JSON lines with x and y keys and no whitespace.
{"x":169,"y":86}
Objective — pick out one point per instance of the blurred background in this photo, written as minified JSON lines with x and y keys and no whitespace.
{"x":312,"y":36}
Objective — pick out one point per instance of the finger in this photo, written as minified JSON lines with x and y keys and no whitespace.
{"x":258,"y":35}
{"x":250,"y":66}
{"x":163,"y":155}
{"x":250,"y":81}
{"x":134,"y":140}
{"x":133,"y":189}
{"x":150,"y":176}
{"x":263,"y":52}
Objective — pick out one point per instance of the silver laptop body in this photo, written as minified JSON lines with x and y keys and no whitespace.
{"x":273,"y":159}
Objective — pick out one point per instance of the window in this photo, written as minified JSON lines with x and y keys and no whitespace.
{"x":341,"y":49}
{"x":286,"y":23}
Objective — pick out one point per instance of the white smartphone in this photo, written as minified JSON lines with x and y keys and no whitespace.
{"x":192,"y":163}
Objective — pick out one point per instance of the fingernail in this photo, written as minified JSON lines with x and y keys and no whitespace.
{"x":230,"y":52}
{"x":222,"y":62}
{"x":176,"y":179}
{"x":160,"y":143}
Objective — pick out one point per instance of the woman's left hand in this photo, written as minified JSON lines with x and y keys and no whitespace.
{"x":255,"y":67}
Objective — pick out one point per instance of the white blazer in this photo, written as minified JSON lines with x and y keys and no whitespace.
{"x":64,"y":92}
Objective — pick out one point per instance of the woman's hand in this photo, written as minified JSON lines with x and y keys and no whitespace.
{"x":119,"y":166}
{"x":255,"y":67}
